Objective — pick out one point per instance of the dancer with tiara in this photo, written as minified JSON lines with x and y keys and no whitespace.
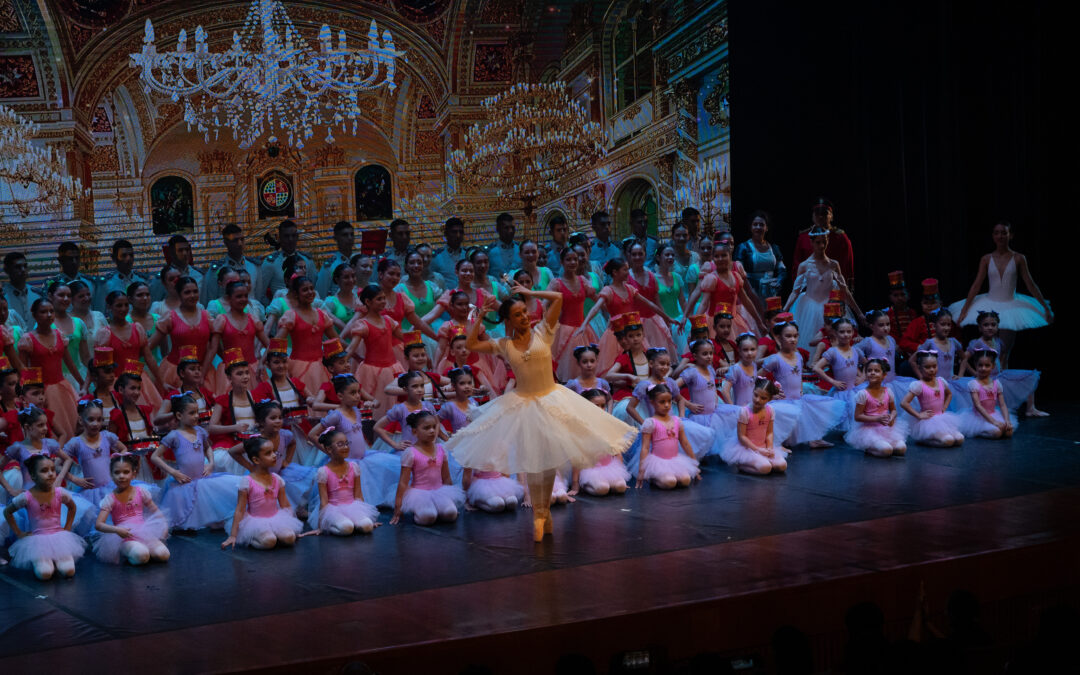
{"x":1016,"y":312}
{"x":817,"y":276}
{"x":539,"y":426}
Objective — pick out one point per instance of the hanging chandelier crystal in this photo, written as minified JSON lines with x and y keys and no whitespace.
{"x":535,"y":137}
{"x":708,"y":190}
{"x":33,"y":179}
{"x":269,"y":78}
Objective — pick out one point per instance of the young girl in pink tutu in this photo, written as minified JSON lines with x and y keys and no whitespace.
{"x":132,"y":535}
{"x":932,"y":426}
{"x":753,"y":450}
{"x":488,"y":490}
{"x":425,"y":489}
{"x":876,"y":429}
{"x":988,"y":417}
{"x":342,"y":510}
{"x":263,"y":518}
{"x":48,"y":547}
{"x":662,"y":436}
{"x":609,"y":475}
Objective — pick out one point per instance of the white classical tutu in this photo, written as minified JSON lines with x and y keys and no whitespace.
{"x":1021,"y":312}
{"x":814,"y":416}
{"x":439,"y":499}
{"x":201,"y":502}
{"x":735,"y":453}
{"x":810,"y":315}
{"x":53,"y":546}
{"x":680,"y":466}
{"x":862,"y":436}
{"x":517,"y":434}
{"x":153,"y":529}
{"x":224,"y":463}
{"x":485,"y":490}
{"x":280,"y":524}
{"x":356,"y":512}
{"x":971,"y":423}
{"x":612,"y":473}
{"x":934,"y":428}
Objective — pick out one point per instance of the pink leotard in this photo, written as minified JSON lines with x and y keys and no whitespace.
{"x":181,"y":333}
{"x":262,"y":502}
{"x":988,"y":397}
{"x":932,"y":400}
{"x":44,"y":518}
{"x":876,"y":407}
{"x":129,"y":514}
{"x":340,"y":491}
{"x":757,"y":424}
{"x":426,"y":471}
{"x":665,"y":439}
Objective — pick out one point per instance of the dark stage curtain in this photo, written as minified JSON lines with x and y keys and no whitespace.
{"x":925,"y":123}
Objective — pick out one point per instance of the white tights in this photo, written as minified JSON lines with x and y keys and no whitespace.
{"x":45,"y":568}
{"x":429,"y":514}
{"x":270,"y":540}
{"x":498,"y":504}
{"x":342,"y":526}
{"x":140,"y":553}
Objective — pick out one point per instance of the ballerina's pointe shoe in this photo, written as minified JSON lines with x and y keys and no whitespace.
{"x":549,"y":525}
{"x":538,"y":529}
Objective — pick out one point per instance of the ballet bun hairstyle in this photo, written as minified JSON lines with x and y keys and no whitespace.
{"x":263,"y":409}
{"x":768,"y":386}
{"x":698,"y":345}
{"x":583,"y":349}
{"x":520,"y":277}
{"x":987,"y":314}
{"x":873,"y":315}
{"x":614,"y":265}
{"x":655,"y":391}
{"x":298,"y":282}
{"x":326,"y":438}
{"x":885,"y":367}
{"x":233,"y":286}
{"x":343,"y":381}
{"x":180,"y":284}
{"x":84,"y":408}
{"x":178,"y":404}
{"x":778,"y":329}
{"x":940,"y":313}
{"x":924,"y":355}
{"x":415,"y":419}
{"x":126,"y":458}
{"x":30,"y":415}
{"x":981,"y":354}
{"x":507,"y":305}
{"x":405,"y":379}
{"x":370,"y":292}
{"x":743,"y":337}
{"x":840,"y":321}
{"x":653,"y":353}
{"x":592,"y":394}
{"x":252,"y":446}
{"x":34,"y":461}
{"x":456,"y":374}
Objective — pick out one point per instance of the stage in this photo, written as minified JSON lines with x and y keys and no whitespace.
{"x":716,"y":567}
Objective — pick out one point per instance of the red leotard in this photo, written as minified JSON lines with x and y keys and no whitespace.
{"x":130,"y":350}
{"x":307,"y":338}
{"x":49,"y":360}
{"x":616,"y":305}
{"x":183,"y":333}
{"x":244,"y":340}
{"x":573,"y":306}
{"x":650,"y":291}
{"x":380,"y":343}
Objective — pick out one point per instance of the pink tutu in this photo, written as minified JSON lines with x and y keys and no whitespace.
{"x":483,"y":490}
{"x":934,"y":428}
{"x":53,"y":546}
{"x":373,"y":381}
{"x":355,"y":512}
{"x":281,"y":523}
{"x":681,"y":466}
{"x":311,"y":373}
{"x":658,"y":334}
{"x":439,"y":499}
{"x":153,"y":529}
{"x":971,"y":423}
{"x":611,"y":473}
{"x":863,"y":436}
{"x":736,"y":454}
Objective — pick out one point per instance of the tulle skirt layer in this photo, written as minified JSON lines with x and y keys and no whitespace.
{"x":724,"y":421}
{"x":60,"y":398}
{"x":1022,"y":312}
{"x":356,"y":512}
{"x":612,"y":473}
{"x":971,"y":423}
{"x":440,"y":500}
{"x":379,"y":475}
{"x":810,"y":315}
{"x":814,"y":417}
{"x":680,"y":466}
{"x":936,"y":428}
{"x":562,"y":349}
{"x":374,"y":379}
{"x":281,"y":524}
{"x":847,"y":397}
{"x":738,"y":455}
{"x":867,"y":436}
{"x":202,"y":502}
{"x":152,"y":530}
{"x":312,"y":373}
{"x":658,"y":334}
{"x":519,"y":434}
{"x":483,"y":490}
{"x":54,"y":546}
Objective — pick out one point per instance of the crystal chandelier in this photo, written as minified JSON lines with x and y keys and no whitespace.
{"x":708,"y":190}
{"x":33,"y":179}
{"x":269,"y":78}
{"x":535,"y":137}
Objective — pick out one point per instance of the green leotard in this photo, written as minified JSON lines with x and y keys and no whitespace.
{"x":422,"y":305}
{"x":669,"y":297}
{"x":333,"y":306}
{"x":75,"y":339}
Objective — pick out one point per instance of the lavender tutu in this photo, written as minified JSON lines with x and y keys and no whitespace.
{"x":933,"y":428}
{"x":299,"y":480}
{"x":971,"y":423}
{"x":847,"y":397}
{"x":724,"y":422}
{"x":53,"y":546}
{"x":863,"y":436}
{"x":355,"y":512}
{"x":439,"y":499}
{"x":280,"y":524}
{"x":201,"y":502}
{"x":484,"y":490}
{"x":814,"y":416}
{"x":680,"y":466}
{"x":153,"y":529}
{"x":612,"y":473}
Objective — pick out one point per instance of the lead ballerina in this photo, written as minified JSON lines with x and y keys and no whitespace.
{"x":539,"y":426}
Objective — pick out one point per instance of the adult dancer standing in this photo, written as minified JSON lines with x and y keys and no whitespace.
{"x":539,"y":426}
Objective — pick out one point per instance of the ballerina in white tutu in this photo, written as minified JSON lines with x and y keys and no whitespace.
{"x":539,"y":426}
{"x":1016,"y":312}
{"x":49,"y":546}
{"x":817,"y":276}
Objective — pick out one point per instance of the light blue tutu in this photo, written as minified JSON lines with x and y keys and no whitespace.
{"x":815,"y":416}
{"x":202,"y":502}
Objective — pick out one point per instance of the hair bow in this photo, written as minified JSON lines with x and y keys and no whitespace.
{"x":92,"y":401}
{"x":329,"y":429}
{"x":932,"y":352}
{"x":748,"y":333}
{"x":334,"y":377}
{"x":266,"y":400}
{"x":121,"y":454}
{"x":27,"y":410}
